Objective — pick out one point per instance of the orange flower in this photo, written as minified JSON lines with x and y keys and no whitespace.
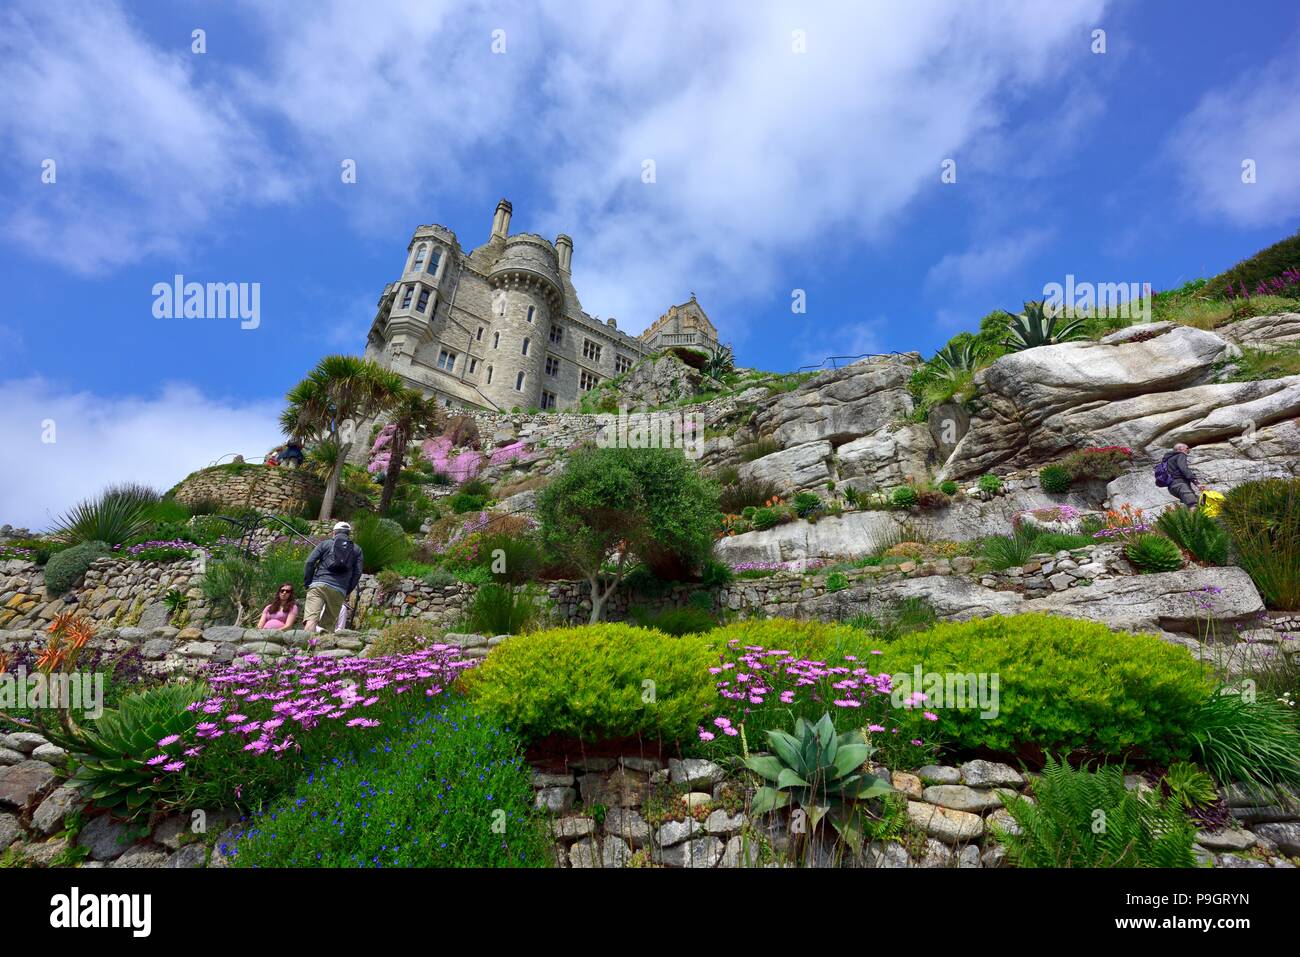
{"x":49,"y":659}
{"x":62,"y":622}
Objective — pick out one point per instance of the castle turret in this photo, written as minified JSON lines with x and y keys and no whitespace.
{"x":526,"y":293}
{"x":564,"y":252}
{"x":501,"y":221}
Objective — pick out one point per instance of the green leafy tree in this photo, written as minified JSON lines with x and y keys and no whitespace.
{"x":339,"y":392}
{"x":410,"y":414}
{"x":611,"y":508}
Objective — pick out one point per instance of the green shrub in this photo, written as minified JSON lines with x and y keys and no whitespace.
{"x":448,"y":789}
{"x":1060,"y":828}
{"x":948,"y":488}
{"x":591,"y":683}
{"x":1064,"y":685}
{"x":1198,"y":533}
{"x":805,"y":503}
{"x":237,"y":587}
{"x":1011,"y":551}
{"x":743,"y":494}
{"x":168,"y":511}
{"x":411,"y":569}
{"x":382,"y":541}
{"x":119,"y":514}
{"x":903,"y":497}
{"x":501,"y":610}
{"x":1265,"y":264}
{"x":1263,"y":520}
{"x":1102,"y":464}
{"x":678,"y":621}
{"x":836,"y":581}
{"x":1061,"y":542}
{"x":1254,"y":741}
{"x":461,"y":503}
{"x":65,"y":568}
{"x":758,"y":449}
{"x":990,"y":484}
{"x":439,"y":578}
{"x":1153,"y":553}
{"x":716,"y":574}
{"x":511,"y":558}
{"x":765,"y":518}
{"x":1054,"y":479}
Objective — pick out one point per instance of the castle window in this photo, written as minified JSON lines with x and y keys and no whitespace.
{"x":552,"y":366}
{"x":557,"y":333}
{"x":587,"y":381}
{"x":447,"y":360}
{"x":531,"y":312}
{"x":526,"y":346}
{"x":621,"y":364}
{"x":499,"y":301}
{"x":433,"y":263}
{"x":519,"y":382}
{"x":478,"y":336}
{"x":548,"y":400}
{"x":496,"y":339}
{"x":590,"y":350}
{"x":420,"y":252}
{"x":489,"y":378}
{"x":406,"y":297}
{"x":424,"y":299}
{"x":473,"y":364}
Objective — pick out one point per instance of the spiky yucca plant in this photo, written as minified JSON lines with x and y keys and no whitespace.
{"x":1084,"y":818}
{"x":820,"y":772}
{"x":1036,"y":326}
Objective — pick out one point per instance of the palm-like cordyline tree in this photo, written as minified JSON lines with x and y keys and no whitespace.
{"x":410,"y":414}
{"x":336,"y":394}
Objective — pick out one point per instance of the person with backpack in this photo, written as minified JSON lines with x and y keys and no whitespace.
{"x":1175,"y":474}
{"x":332,"y":572}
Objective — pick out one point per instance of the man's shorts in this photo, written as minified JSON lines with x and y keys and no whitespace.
{"x":322,"y":606}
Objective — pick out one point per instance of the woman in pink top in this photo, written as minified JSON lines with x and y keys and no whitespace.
{"x":282,"y":612}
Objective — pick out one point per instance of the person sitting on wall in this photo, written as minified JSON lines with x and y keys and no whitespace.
{"x":282,"y":612}
{"x":292,"y":453}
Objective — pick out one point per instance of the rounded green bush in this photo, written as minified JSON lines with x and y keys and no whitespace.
{"x":903,"y":497}
{"x":1064,"y":686}
{"x":990,"y":483}
{"x":1055,"y":479}
{"x":948,"y":488}
{"x":765,"y":518}
{"x":1154,"y":553}
{"x":590,"y":683}
{"x":65,"y":568}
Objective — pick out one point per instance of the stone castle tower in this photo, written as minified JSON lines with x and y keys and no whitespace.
{"x":501,"y":327}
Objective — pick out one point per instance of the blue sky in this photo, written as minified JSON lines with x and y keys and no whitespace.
{"x":775,"y":170}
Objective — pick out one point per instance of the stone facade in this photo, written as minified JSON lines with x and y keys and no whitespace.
{"x":501,"y":326}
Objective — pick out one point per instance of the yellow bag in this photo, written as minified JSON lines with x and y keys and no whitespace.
{"x":1211,"y":502}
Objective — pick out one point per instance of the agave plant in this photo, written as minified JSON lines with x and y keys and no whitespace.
{"x":719,"y":363}
{"x":1037,"y":327}
{"x":957,"y":358}
{"x":820,"y":772}
{"x":120,"y":513}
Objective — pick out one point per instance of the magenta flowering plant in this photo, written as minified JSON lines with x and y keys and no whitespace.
{"x":264,"y":720}
{"x":762,"y":689}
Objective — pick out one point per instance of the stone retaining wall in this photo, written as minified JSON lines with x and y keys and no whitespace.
{"x":280,"y":490}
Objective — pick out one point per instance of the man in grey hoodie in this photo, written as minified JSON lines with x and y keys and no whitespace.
{"x":1183,"y":483}
{"x":333,"y":570}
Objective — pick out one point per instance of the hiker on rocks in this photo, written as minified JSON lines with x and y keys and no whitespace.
{"x":283,"y":610}
{"x":332,"y":572}
{"x":1175,"y":474}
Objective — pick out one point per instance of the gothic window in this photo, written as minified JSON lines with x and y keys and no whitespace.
{"x":406,"y":297}
{"x":519,"y":382}
{"x":526,"y":346}
{"x":478,"y":336}
{"x":621,"y":364}
{"x":496,"y":339}
{"x":587,"y":381}
{"x":590,"y":350}
{"x":424,"y":299}
{"x":420,"y":252}
{"x":473,"y":364}
{"x":557,"y":333}
{"x":432,"y":268}
{"x":489,"y":377}
{"x":552,"y":366}
{"x":531,"y":311}
{"x":548,"y":400}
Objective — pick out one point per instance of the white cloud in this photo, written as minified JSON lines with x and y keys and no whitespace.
{"x":144,"y":150}
{"x":986,"y":264}
{"x":1256,"y":117}
{"x":100,"y":441}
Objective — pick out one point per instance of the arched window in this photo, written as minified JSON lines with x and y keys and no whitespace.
{"x":525,"y":346}
{"x":496,"y":339}
{"x":489,"y":379}
{"x":519,"y":382}
{"x":531,"y":311}
{"x":500,"y":302}
{"x":420,"y":252}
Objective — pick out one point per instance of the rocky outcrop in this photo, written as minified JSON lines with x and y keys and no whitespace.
{"x":1264,"y":332}
{"x":1146,"y":388}
{"x":661,"y":380}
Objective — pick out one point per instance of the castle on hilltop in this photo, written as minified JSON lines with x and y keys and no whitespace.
{"x":501,"y":327}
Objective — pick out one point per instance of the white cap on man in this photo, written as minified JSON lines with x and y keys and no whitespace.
{"x":342,"y":527}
